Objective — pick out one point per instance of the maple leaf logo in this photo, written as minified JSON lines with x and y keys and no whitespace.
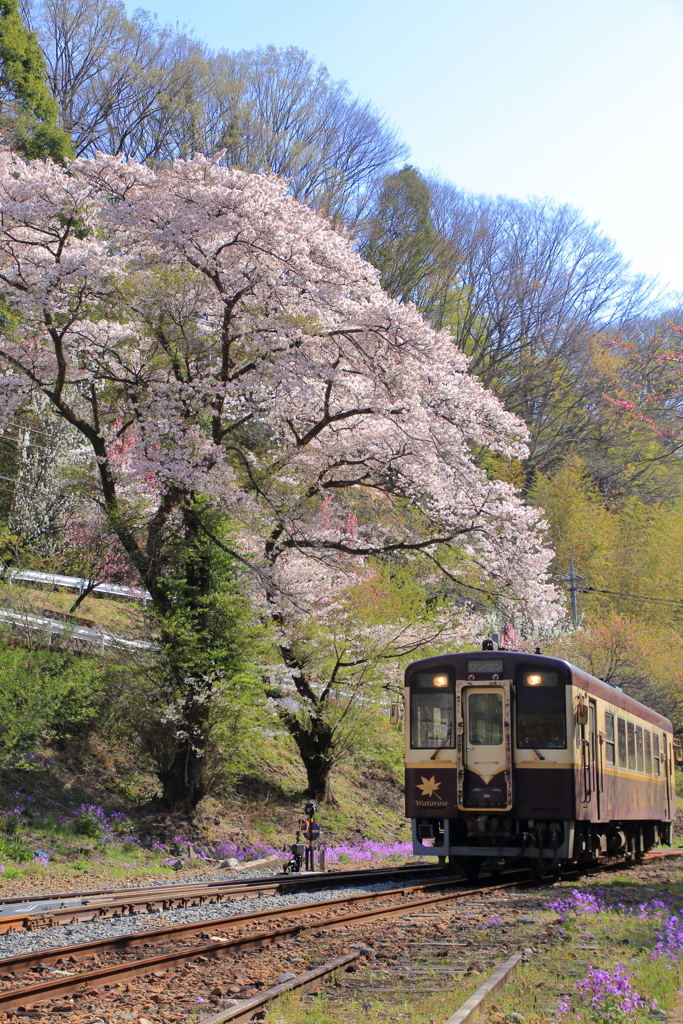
{"x":428,"y":786}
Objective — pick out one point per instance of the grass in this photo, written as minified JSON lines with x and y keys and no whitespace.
{"x":419,"y":1006}
{"x":123,"y":617}
{"x":617,"y":929}
{"x":620,"y":935}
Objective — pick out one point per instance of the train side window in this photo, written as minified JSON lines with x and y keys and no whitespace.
{"x":621,"y":737}
{"x":631,"y":735}
{"x":648,"y":752}
{"x":655,"y":753}
{"x":609,"y":738}
{"x":639,"y":748}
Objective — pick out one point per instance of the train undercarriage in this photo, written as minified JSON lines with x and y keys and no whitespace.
{"x":490,"y":840}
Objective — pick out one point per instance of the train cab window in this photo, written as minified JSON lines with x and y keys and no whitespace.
{"x":631,"y":735}
{"x":541,"y":709}
{"x":609,"y":739}
{"x":621,"y":741}
{"x":648,"y":752}
{"x":432,"y":711}
{"x":485,"y":715}
{"x":639,"y":748}
{"x":655,"y":755}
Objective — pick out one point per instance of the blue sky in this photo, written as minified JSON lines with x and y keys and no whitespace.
{"x":579,"y":100}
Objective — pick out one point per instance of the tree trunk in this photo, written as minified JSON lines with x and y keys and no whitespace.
{"x":315,"y":739}
{"x":318,"y":776}
{"x":182,"y":781}
{"x":192,"y":640}
{"x":87,"y":590}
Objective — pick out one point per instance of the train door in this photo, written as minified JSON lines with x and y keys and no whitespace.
{"x":589,"y":758}
{"x":484,"y":746}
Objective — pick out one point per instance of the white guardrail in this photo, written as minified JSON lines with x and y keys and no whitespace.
{"x":54,"y":627}
{"x":76,"y":583}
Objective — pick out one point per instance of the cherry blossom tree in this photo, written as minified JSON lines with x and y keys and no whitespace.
{"x":93,"y":551}
{"x":253,"y":367}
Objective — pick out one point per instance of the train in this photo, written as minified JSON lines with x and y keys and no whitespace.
{"x":522,"y":759}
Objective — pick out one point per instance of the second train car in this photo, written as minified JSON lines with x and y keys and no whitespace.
{"x":514,"y":757}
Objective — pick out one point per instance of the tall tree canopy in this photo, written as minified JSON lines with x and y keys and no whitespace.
{"x":29,"y":111}
{"x":222,"y":350}
{"x":525,"y":288}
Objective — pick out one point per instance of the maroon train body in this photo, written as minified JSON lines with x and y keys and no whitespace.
{"x":513,"y":757}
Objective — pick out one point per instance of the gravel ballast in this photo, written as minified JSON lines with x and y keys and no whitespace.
{"x":14,"y":943}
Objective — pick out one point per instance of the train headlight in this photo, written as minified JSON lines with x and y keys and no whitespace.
{"x":534,"y":680}
{"x":440,"y":680}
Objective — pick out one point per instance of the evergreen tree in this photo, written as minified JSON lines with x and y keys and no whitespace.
{"x":29,"y":111}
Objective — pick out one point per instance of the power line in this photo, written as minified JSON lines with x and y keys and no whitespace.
{"x":634,"y":597}
{"x":573,"y":577}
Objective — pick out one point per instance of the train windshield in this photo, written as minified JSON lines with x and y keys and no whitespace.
{"x":432,"y":711}
{"x":541,"y":710}
{"x":486,"y":718}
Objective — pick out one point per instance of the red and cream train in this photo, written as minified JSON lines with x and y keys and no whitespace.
{"x":514,"y":757}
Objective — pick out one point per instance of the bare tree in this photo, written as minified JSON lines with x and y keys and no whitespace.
{"x":132,"y":86}
{"x":539,"y":284}
{"x":114,"y":78}
{"x":525,"y":289}
{"x":287,"y":116}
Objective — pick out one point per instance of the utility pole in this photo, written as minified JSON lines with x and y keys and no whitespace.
{"x":573,"y":579}
{"x":572,"y":591}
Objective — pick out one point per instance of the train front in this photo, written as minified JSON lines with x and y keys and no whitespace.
{"x":482,"y":782}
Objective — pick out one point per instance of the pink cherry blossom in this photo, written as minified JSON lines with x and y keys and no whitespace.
{"x":208,"y":334}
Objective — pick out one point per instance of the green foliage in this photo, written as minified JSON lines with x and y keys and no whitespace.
{"x":630,"y":599}
{"x":36,"y":133}
{"x":643,"y":658}
{"x":203,"y":685}
{"x":85,"y":825}
{"x":417,"y":261}
{"x":621,"y":548}
{"x":14,"y":849}
{"x":401,"y":236}
{"x":46,"y":696}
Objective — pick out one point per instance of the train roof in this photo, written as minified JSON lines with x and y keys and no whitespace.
{"x":591,"y":684}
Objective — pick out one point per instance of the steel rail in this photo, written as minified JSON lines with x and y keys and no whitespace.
{"x":99,"y":911}
{"x":149,"y":901}
{"x":303,"y":982}
{"x":27,"y":961}
{"x":87,"y":980}
{"x":133,"y":898}
{"x":300,"y":880}
{"x":57,"y":988}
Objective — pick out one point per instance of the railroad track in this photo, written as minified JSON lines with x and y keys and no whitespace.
{"x":245,"y":883}
{"x":174,"y":950}
{"x":63,"y":908}
{"x":324,"y":915}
